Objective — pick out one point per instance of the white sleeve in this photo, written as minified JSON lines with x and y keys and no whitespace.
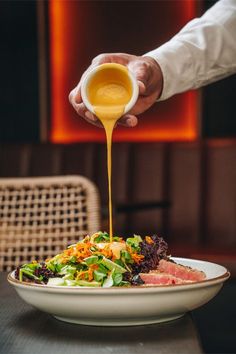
{"x":204,"y":51}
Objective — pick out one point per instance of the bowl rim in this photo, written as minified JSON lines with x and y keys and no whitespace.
{"x":121,"y":290}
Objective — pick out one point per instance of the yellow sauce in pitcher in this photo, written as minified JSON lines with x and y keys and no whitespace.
{"x":109,"y":91}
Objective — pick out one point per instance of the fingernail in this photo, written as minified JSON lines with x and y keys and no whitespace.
{"x":130,"y":122}
{"x":142,"y":87}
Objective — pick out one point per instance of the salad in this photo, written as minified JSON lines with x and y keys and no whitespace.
{"x":97,"y":262}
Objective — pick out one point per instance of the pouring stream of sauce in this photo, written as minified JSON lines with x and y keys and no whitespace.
{"x":109,"y":92}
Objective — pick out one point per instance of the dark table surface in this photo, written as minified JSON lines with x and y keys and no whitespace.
{"x":25,"y":330}
{"x":216,"y":321}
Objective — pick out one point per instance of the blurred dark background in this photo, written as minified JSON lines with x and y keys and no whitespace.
{"x":19,"y":71}
{"x":19,"y":63}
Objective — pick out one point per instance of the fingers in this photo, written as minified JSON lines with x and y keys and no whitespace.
{"x":91,"y":118}
{"x":142,"y":88}
{"x":76,"y":101}
{"x":129,"y":120}
{"x":147,"y":75}
{"x":139,"y":69}
{"x":75,"y":95}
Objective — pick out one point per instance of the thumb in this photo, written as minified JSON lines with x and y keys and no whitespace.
{"x":142,"y":88}
{"x":141,"y":73}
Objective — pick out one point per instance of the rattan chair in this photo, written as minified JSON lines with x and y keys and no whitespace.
{"x":39,"y":217}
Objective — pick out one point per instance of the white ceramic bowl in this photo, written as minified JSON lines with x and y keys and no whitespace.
{"x":90,"y":74}
{"x":123,"y":306}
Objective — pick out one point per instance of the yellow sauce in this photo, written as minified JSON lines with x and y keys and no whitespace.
{"x":109,"y":91}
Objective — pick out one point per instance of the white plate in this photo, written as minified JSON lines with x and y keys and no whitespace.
{"x":122,"y":306}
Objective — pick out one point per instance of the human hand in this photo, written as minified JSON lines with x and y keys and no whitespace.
{"x":150,"y":81}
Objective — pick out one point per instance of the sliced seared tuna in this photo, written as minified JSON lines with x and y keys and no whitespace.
{"x":160,"y":278}
{"x":180,"y":271}
{"x":170,"y":273}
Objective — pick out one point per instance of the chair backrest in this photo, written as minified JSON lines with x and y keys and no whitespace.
{"x":39,"y":217}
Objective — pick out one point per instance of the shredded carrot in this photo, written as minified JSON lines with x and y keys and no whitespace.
{"x":137,"y":257}
{"x":90,"y":274}
{"x":149,"y":240}
{"x":80,"y":251}
{"x":86,"y":274}
{"x":94,"y":266}
{"x":81,"y":274}
{"x":107,"y":252}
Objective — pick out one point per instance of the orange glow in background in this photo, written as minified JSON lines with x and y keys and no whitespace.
{"x":81,"y":30}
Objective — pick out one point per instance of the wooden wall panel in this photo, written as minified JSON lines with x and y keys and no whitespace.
{"x":120,"y":172}
{"x":80,"y":160}
{"x":100,"y":172}
{"x":146,"y":185}
{"x":221,"y":198}
{"x":44,"y":160}
{"x":185,"y":193}
{"x":120,"y":184}
{"x":14,"y":160}
{"x":197,"y":178}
